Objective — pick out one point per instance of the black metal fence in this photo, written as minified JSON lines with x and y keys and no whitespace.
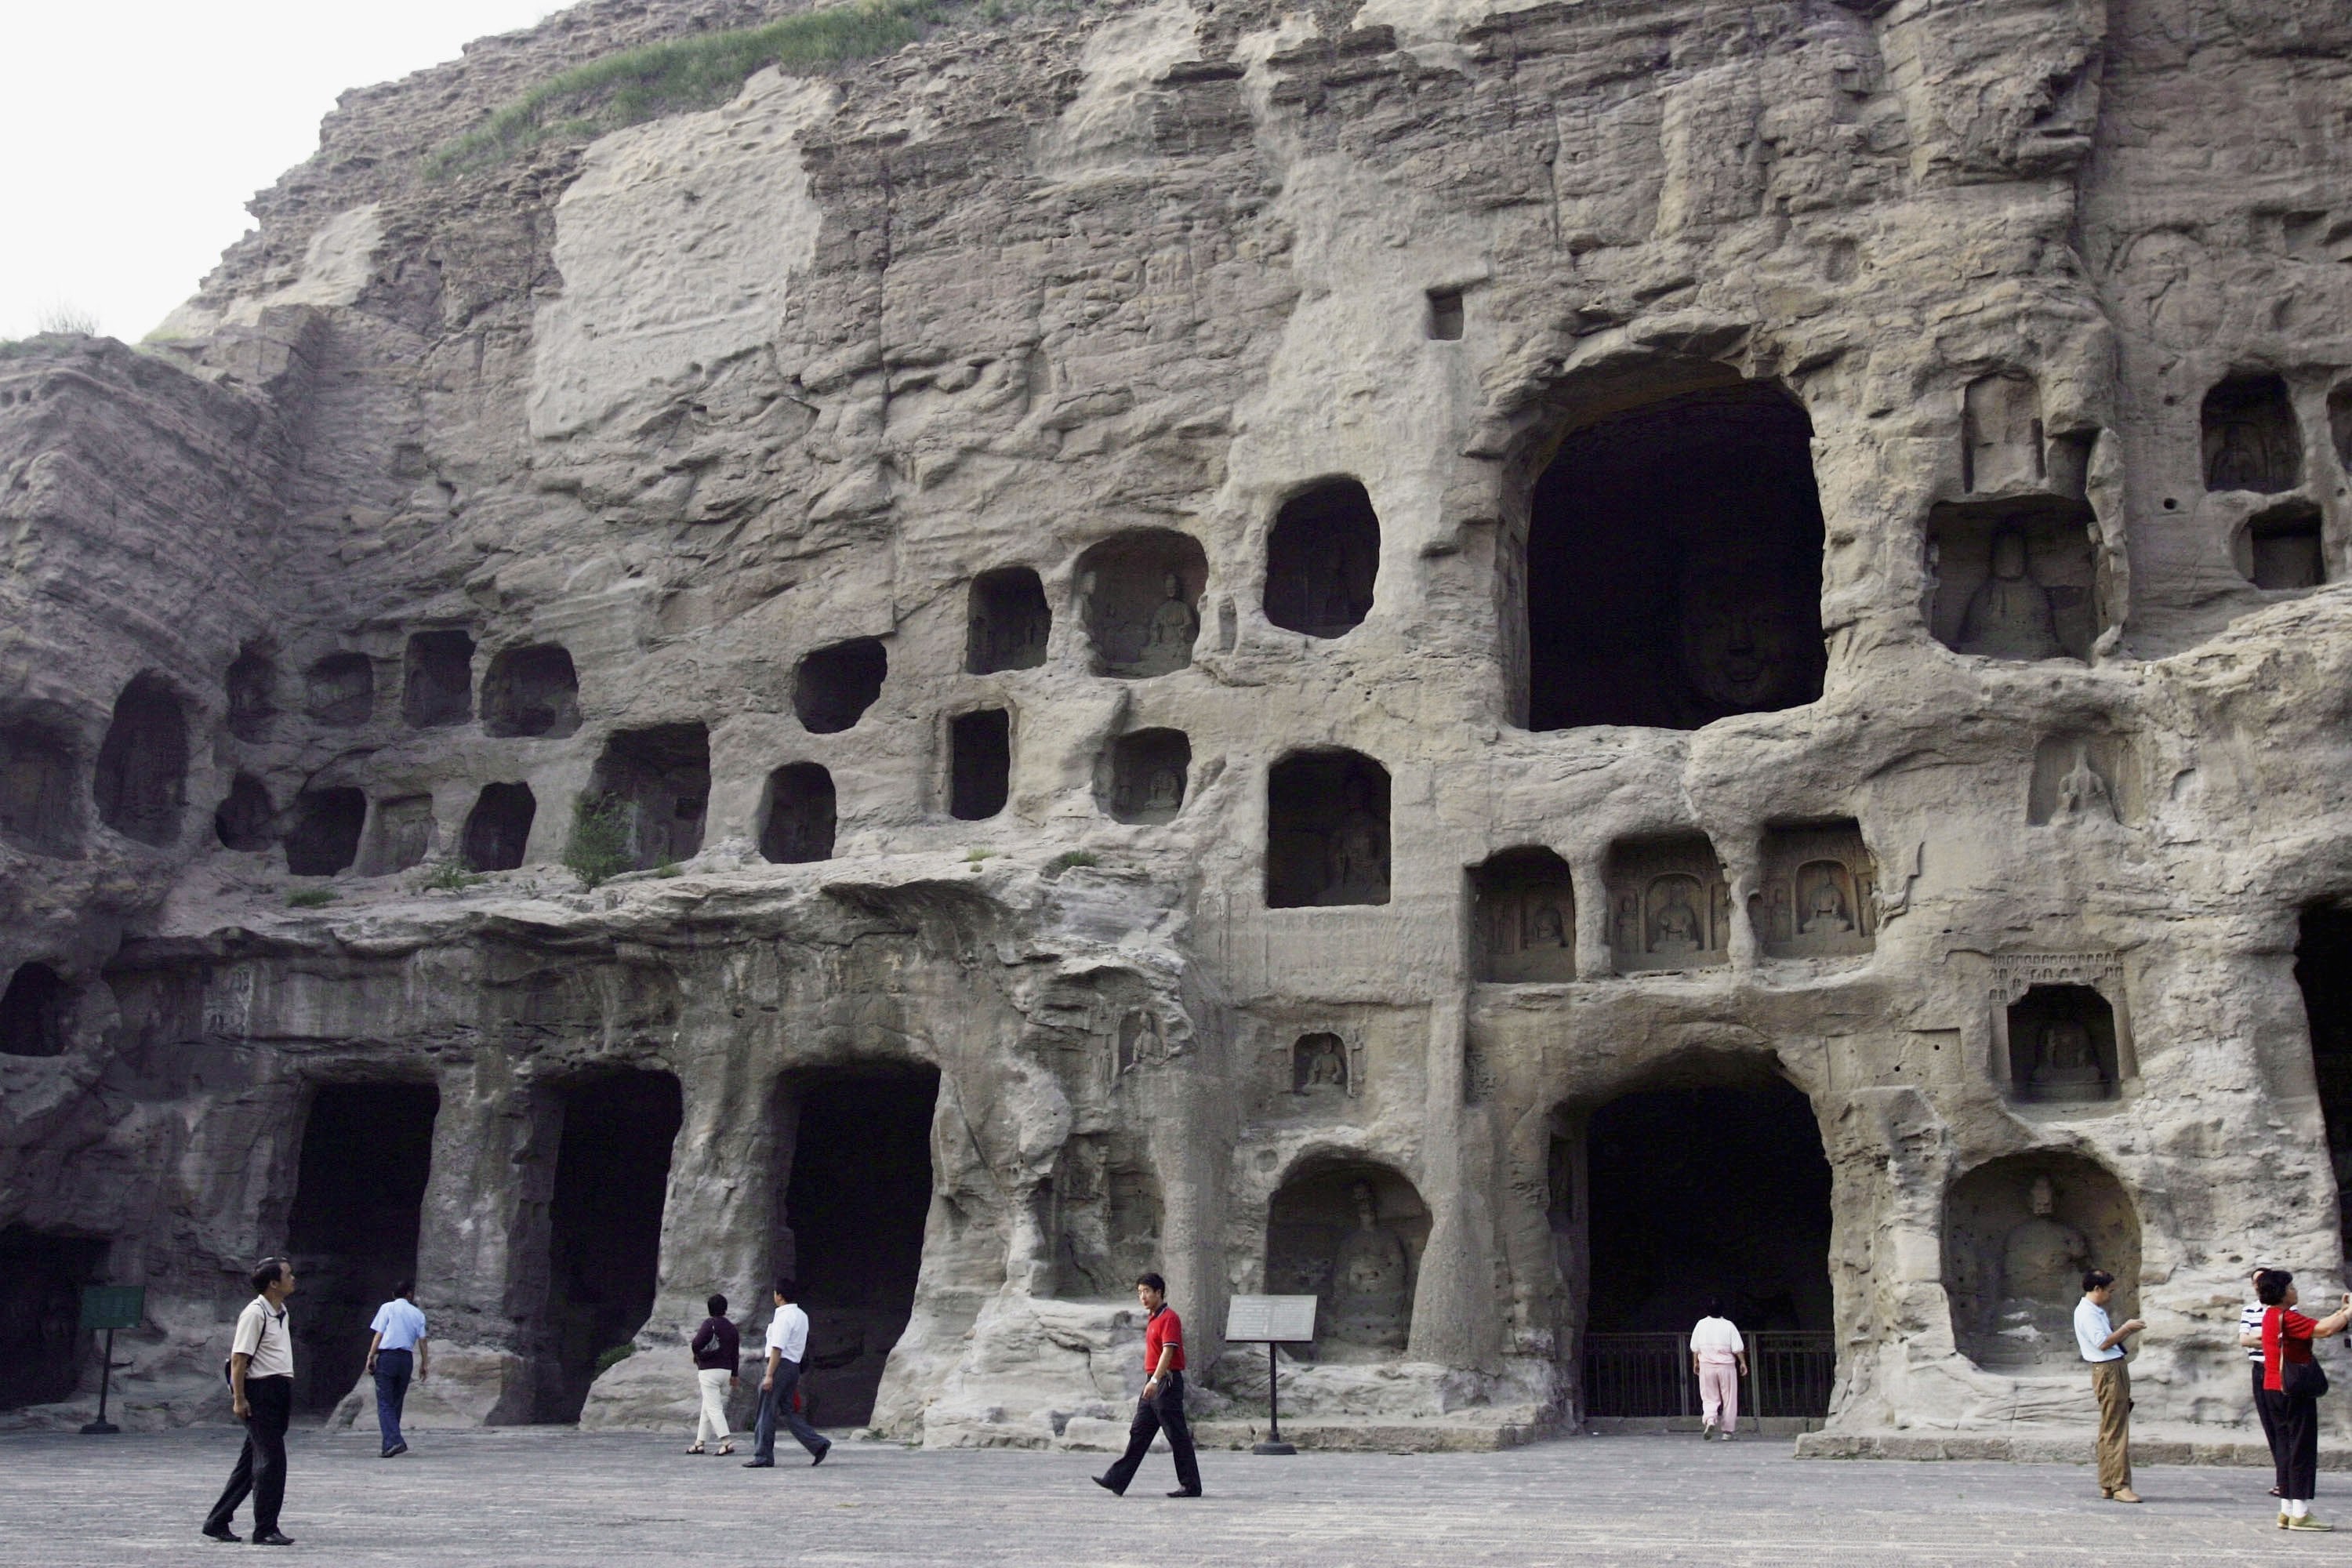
{"x":1650,"y":1374}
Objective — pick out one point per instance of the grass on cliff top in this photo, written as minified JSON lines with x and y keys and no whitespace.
{"x":682,"y":74}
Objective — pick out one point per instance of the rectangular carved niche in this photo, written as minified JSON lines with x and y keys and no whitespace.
{"x":1525,"y":913}
{"x":2084,"y":779}
{"x":1669,"y":907}
{"x":1818,"y":898}
{"x":2014,"y":580}
{"x":2060,"y":1032}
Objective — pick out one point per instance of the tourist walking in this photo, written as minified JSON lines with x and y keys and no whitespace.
{"x":261,"y":1391}
{"x":718,"y":1352}
{"x":2292,"y":1382}
{"x":1161,"y":1407}
{"x":1718,"y":1359}
{"x":396,"y":1352}
{"x":2249,"y":1337}
{"x":787,"y":1346}
{"x":2102,"y":1344}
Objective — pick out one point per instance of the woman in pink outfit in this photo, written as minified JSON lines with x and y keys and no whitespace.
{"x":1719,"y":1360}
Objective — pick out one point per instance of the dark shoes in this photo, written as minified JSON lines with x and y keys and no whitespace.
{"x":223,"y":1533}
{"x":1181,"y":1492}
{"x":818,"y":1458}
{"x":1104,"y":1482}
{"x":395,"y":1450}
{"x":271,"y":1538}
{"x":758,"y":1464}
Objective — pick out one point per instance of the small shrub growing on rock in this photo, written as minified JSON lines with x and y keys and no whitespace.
{"x":599,"y":847}
{"x":1069,"y":857}
{"x":310,"y":898}
{"x":613,"y":1357}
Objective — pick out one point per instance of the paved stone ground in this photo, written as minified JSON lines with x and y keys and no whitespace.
{"x":524,"y":1495}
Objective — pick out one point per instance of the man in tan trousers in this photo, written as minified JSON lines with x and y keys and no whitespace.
{"x":2102,"y":1344}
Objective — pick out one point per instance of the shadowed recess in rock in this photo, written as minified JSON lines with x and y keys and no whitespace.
{"x":532,"y":691}
{"x":141,"y":779}
{"x":835,"y":685}
{"x":979,"y":763}
{"x":2014,"y":579}
{"x":325,"y":837}
{"x":400,"y":835}
{"x":2323,"y":969}
{"x":33,"y":1012}
{"x":2283,"y":549}
{"x":1525,"y":917}
{"x":1674,"y":565}
{"x":1323,"y":560}
{"x":247,"y":819}
{"x":662,"y":777}
{"x":604,"y":1223}
{"x":1140,"y":777}
{"x":359,"y":1197}
{"x":339,"y":691}
{"x":2018,"y":1232}
{"x":1349,"y":1233}
{"x":1107,"y":1216}
{"x":440,"y":686}
{"x":36,"y":790}
{"x":854,"y":1174}
{"x":43,"y":1350}
{"x":1009,"y":622}
{"x":1139,"y":596}
{"x":1444,"y":321}
{"x":2061,"y":1045}
{"x":497,"y":829}
{"x":252,"y":690}
{"x":796,"y":820}
{"x":2251,"y":439}
{"x":1715,"y":1189}
{"x":1326,"y":830}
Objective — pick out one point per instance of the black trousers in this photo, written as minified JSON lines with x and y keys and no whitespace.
{"x":1153,"y":1417}
{"x":2262,"y":1409}
{"x":261,"y":1464}
{"x":2294,"y":1443}
{"x":392,"y":1374}
{"x":776,"y":1406}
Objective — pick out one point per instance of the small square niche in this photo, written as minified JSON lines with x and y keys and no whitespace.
{"x":1444,"y":320}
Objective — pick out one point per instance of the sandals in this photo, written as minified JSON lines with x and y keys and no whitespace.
{"x":724,"y":1449}
{"x":698,"y":1448}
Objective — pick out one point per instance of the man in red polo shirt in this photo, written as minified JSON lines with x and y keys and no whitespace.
{"x":1162,"y":1408}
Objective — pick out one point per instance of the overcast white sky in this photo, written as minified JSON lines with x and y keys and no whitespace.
{"x":132,"y":132}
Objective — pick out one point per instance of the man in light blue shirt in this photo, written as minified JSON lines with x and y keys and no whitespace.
{"x":397,"y":1348}
{"x":2102,"y":1344}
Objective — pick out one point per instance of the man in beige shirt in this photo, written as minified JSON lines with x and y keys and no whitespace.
{"x":261,"y":1391}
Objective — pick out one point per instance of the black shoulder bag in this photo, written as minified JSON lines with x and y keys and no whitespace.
{"x":2307,"y":1378}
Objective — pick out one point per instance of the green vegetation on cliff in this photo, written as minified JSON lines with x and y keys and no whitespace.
{"x":681,"y":74}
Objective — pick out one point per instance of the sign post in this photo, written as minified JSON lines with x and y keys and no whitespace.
{"x":1271,"y":1320}
{"x":109,"y":1307}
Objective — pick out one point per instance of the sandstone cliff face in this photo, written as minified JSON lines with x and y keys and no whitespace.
{"x":2031,"y":312}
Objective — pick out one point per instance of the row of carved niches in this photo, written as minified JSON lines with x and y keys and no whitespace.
{"x":1140,"y":775}
{"x":659,"y":780}
{"x":1323,"y":560}
{"x":1674,"y":565}
{"x":2019,"y":1233}
{"x":532,"y":690}
{"x":1525,"y":915}
{"x":1139,"y":600}
{"x":1818,"y":897}
{"x":2013,"y":579}
{"x":1326,"y":830}
{"x":2084,"y":780}
{"x":1350,"y":1234}
{"x":1669,"y":907}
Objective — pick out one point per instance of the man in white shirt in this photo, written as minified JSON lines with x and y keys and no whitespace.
{"x":1718,"y":1360}
{"x":2250,"y":1339}
{"x":2102,"y":1344}
{"x":397,"y":1348}
{"x":261,"y":1391}
{"x":787,"y":1345}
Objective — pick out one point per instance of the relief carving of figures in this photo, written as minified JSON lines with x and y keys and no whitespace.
{"x":2041,"y":1264}
{"x":1167,"y":640}
{"x":1674,"y":925}
{"x":1371,"y":1289}
{"x":1321,"y":1063}
{"x":2083,"y":795}
{"x":1827,"y":912}
{"x":2010,"y":615}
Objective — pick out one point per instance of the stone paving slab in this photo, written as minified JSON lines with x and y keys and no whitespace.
{"x":518,"y":1497}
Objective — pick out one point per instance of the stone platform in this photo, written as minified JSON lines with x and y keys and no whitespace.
{"x":523,"y":1496}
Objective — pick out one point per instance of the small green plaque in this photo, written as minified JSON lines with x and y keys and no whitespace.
{"x":113,"y":1306}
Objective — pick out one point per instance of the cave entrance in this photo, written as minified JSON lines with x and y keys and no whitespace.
{"x":853,"y":1167}
{"x":439,"y":688}
{"x":2323,"y":968}
{"x":604,"y":1225}
{"x":497,"y":831}
{"x":1674,"y":565}
{"x":359,"y":1198}
{"x":532,"y":691}
{"x":141,"y":779}
{"x":662,"y":778}
{"x":325,"y":837}
{"x":36,"y":790}
{"x":43,"y":1350}
{"x":1716,"y":1187}
{"x":33,"y":1012}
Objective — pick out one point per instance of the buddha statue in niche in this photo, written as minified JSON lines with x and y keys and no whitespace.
{"x":1357,"y":859}
{"x":2041,"y":1264}
{"x":2083,"y":795}
{"x":1371,"y":1292}
{"x":1547,"y":927}
{"x":1168,"y":640}
{"x":2066,"y":1065}
{"x":1676,"y":928}
{"x":1826,"y":914}
{"x":1165,"y":792}
{"x":2243,"y":463}
{"x":1629,"y":923}
{"x":2009,"y":615}
{"x":1323,"y":1065}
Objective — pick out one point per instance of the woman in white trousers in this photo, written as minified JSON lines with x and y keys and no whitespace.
{"x":1718,"y":1359}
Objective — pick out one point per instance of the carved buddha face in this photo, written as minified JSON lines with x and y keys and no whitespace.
{"x":2009,"y":557}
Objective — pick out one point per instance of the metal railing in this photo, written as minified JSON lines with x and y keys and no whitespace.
{"x":1650,"y":1374}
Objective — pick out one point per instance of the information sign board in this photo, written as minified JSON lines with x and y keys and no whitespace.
{"x":1271,"y":1320}
{"x":113,"y":1306}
